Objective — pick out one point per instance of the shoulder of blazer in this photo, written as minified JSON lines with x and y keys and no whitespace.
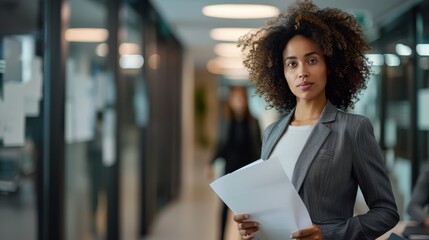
{"x":280,"y":121}
{"x":329,"y":113}
{"x":351,"y":117}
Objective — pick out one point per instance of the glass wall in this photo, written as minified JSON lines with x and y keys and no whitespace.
{"x":90,"y":121}
{"x":397,"y":79}
{"x":21,"y":96}
{"x":401,"y":77}
{"x":116,"y":179}
{"x":422,"y":49}
{"x":134,"y":111}
{"x":163,"y":75}
{"x":83,"y":86}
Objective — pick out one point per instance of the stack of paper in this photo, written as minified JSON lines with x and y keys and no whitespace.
{"x":263,"y":190}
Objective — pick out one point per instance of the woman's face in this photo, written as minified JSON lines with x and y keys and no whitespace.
{"x":305,"y":69}
{"x":238,"y":100}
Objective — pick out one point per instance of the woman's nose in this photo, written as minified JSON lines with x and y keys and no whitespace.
{"x":302,"y":71}
{"x":303,"y":75}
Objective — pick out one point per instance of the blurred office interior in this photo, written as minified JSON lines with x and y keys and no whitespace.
{"x":107,"y":134}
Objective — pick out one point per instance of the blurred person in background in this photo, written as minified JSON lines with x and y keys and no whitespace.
{"x":240,"y":139}
{"x":418,"y":208}
{"x":96,"y":172}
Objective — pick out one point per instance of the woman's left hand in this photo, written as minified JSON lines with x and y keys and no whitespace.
{"x":246,"y":228}
{"x":314,"y":232}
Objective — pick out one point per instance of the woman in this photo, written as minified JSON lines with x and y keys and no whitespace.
{"x":240,"y":143}
{"x":310,"y":63}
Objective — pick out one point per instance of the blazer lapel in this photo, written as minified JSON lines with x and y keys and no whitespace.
{"x":312,"y":146}
{"x":275,"y":135}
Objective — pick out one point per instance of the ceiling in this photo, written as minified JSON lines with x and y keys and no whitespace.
{"x":192,"y":28}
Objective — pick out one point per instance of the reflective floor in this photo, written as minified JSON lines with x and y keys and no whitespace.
{"x":18,"y":212}
{"x":195,"y":215}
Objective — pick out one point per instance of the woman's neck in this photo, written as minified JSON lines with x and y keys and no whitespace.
{"x":307,"y":113}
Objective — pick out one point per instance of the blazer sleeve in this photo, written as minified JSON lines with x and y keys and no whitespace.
{"x":369,"y":172}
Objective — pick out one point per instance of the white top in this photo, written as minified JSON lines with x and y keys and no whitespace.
{"x":290,"y":146}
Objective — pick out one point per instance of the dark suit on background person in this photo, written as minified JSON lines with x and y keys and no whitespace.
{"x":239,"y":141}
{"x":242,"y":144}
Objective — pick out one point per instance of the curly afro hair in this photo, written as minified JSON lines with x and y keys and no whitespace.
{"x":337,"y":33}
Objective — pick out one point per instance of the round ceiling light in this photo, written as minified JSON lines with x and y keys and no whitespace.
{"x":240,"y":11}
{"x":229,"y":34}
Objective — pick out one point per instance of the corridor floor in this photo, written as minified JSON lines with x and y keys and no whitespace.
{"x":194,"y":216}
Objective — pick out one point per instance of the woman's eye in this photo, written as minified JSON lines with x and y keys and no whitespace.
{"x":312,"y":61}
{"x":291,"y":64}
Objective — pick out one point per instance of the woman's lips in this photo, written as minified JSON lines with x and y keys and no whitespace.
{"x":305,"y":85}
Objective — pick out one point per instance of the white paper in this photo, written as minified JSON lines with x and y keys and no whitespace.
{"x":13,"y":116}
{"x":33,"y":89}
{"x":263,"y":191}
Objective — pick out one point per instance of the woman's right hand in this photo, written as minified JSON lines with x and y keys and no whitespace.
{"x":246,"y":228}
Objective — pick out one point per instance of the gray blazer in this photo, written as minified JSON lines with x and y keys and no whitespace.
{"x":340,"y":155}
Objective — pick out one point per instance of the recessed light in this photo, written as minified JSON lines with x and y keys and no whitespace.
{"x":129,"y":48}
{"x":423,"y":49}
{"x":102,"y":50}
{"x":229,"y":34}
{"x":227,"y":50}
{"x":86,"y":34}
{"x":240,"y":11}
{"x":375,"y":59}
{"x":131,"y":61}
{"x":392,"y":60}
{"x":403,"y":50}
{"x":227,"y":66}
